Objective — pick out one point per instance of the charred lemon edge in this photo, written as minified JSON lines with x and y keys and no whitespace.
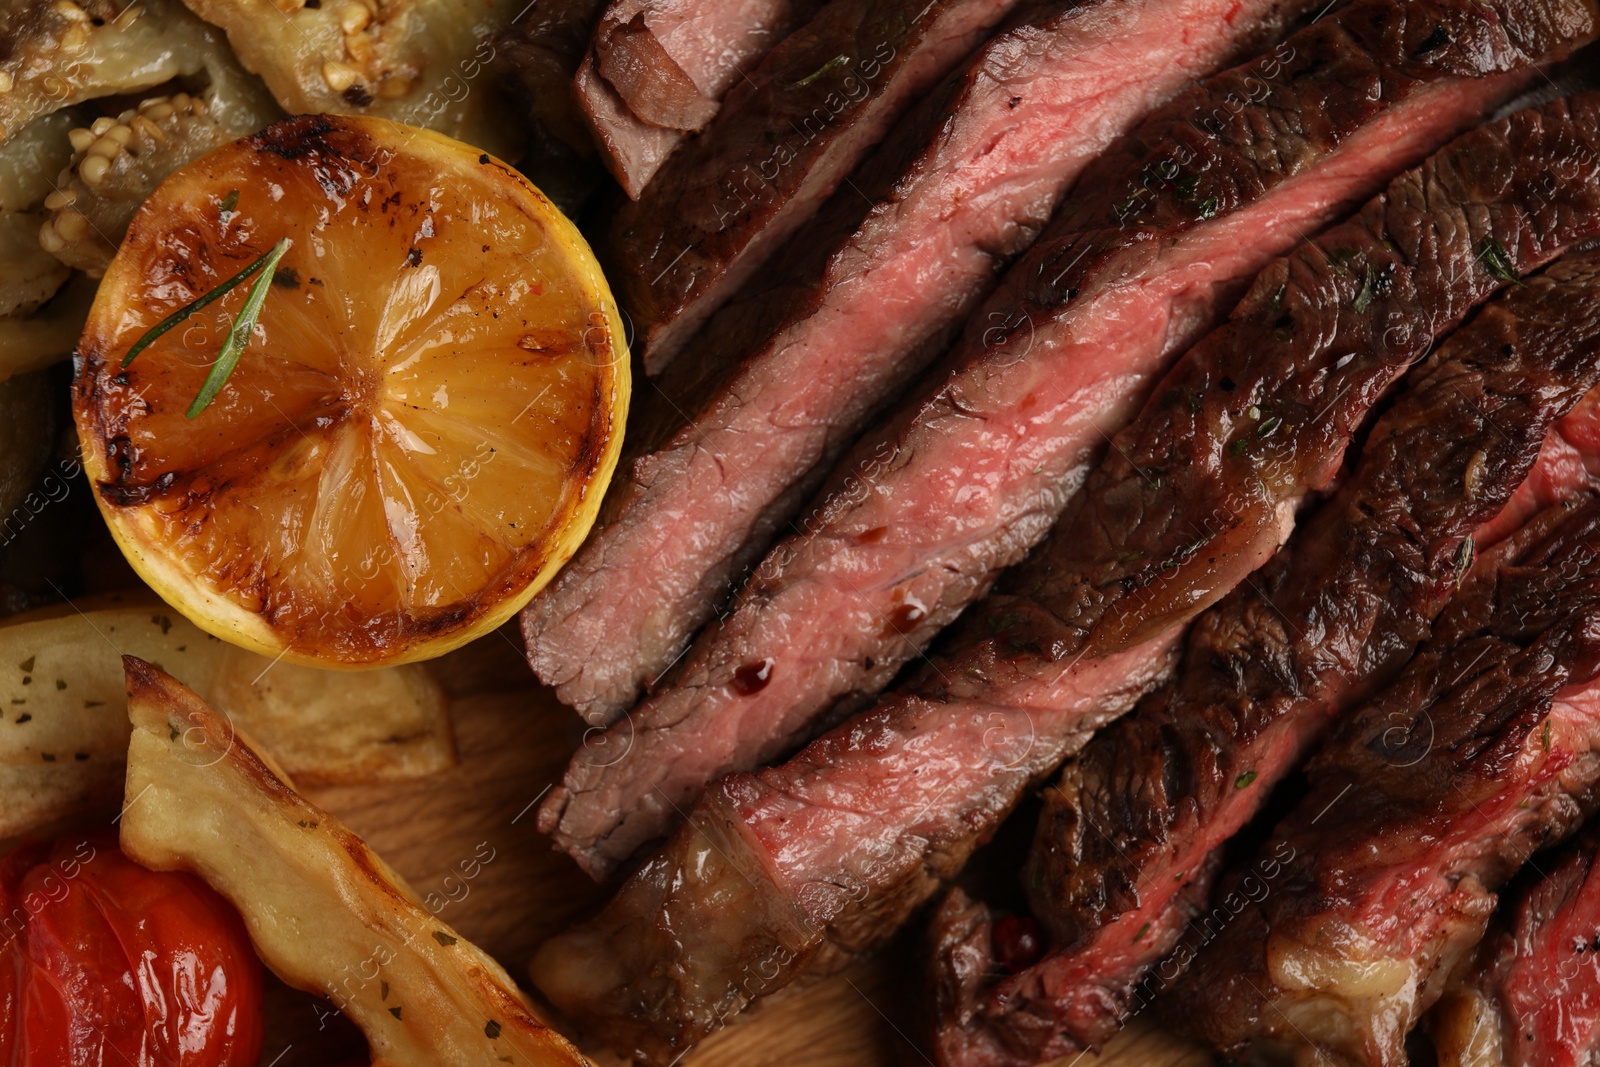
{"x":137,"y":535}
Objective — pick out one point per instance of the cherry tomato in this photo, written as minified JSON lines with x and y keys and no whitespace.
{"x":107,"y":964}
{"x":12,"y":869}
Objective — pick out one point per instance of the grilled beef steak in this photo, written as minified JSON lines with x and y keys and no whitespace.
{"x":731,"y":441}
{"x":1126,"y":846}
{"x":1569,"y":460}
{"x":538,"y":55}
{"x":542,"y":49}
{"x":660,"y":68}
{"x":1421,"y":807}
{"x":970,"y":477}
{"x":631,"y":150}
{"x":785,"y":138}
{"x":801,"y":864}
{"x":1530,"y":995}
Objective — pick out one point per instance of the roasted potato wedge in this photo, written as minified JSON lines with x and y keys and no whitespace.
{"x":65,"y":734}
{"x":325,"y":913}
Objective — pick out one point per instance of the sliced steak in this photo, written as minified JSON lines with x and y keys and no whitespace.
{"x":971,"y":476}
{"x":538,"y":55}
{"x":791,"y":372}
{"x":542,"y":50}
{"x":1421,"y":807}
{"x":1569,"y":460}
{"x":660,"y":68}
{"x":800,"y":865}
{"x":1128,"y":843}
{"x":787,"y":135}
{"x":629,"y":148}
{"x":1530,"y":996}
{"x":797,"y":867}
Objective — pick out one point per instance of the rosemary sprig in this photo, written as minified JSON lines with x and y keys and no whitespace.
{"x":1498,"y":262}
{"x":832,"y":64}
{"x":243,"y":326}
{"x":199,"y":302}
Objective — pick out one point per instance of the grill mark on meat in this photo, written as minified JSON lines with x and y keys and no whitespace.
{"x":798,"y":866}
{"x":1356,"y":941}
{"x":1527,"y":997}
{"x":730,"y":443}
{"x":971,"y":476}
{"x":1124,"y":856}
{"x":659,"y":69}
{"x":784,"y":139}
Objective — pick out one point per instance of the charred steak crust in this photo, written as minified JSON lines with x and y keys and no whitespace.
{"x":660,"y":68}
{"x":1129,"y":837}
{"x":797,"y":865}
{"x":727,"y":445}
{"x":1238,"y":433}
{"x":783,"y":141}
{"x":964,"y":967}
{"x":962,"y":483}
{"x":541,"y":51}
{"x":636,"y":57}
{"x":1486,"y":749}
{"x":1528,"y":996}
{"x":737,"y":915}
{"x":1528,"y":184}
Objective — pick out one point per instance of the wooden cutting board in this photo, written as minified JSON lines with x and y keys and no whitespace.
{"x":466,"y":842}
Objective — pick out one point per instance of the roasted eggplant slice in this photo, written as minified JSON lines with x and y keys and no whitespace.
{"x":421,"y":62}
{"x":30,"y":342}
{"x":25,"y":422}
{"x":31,"y":159}
{"x":58,"y":53}
{"x":119,"y":162}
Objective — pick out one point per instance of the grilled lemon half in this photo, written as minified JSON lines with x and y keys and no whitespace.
{"x":421,"y":426}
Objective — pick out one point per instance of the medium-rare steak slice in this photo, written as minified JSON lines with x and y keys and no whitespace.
{"x":970,"y":477}
{"x":1420,"y":808}
{"x":798,"y":867}
{"x":1127,"y":844}
{"x":789,"y":373}
{"x":660,"y":68}
{"x":787,"y":135}
{"x":789,"y":868}
{"x":1530,"y":995}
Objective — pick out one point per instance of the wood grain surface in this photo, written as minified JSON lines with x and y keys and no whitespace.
{"x":465,"y":840}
